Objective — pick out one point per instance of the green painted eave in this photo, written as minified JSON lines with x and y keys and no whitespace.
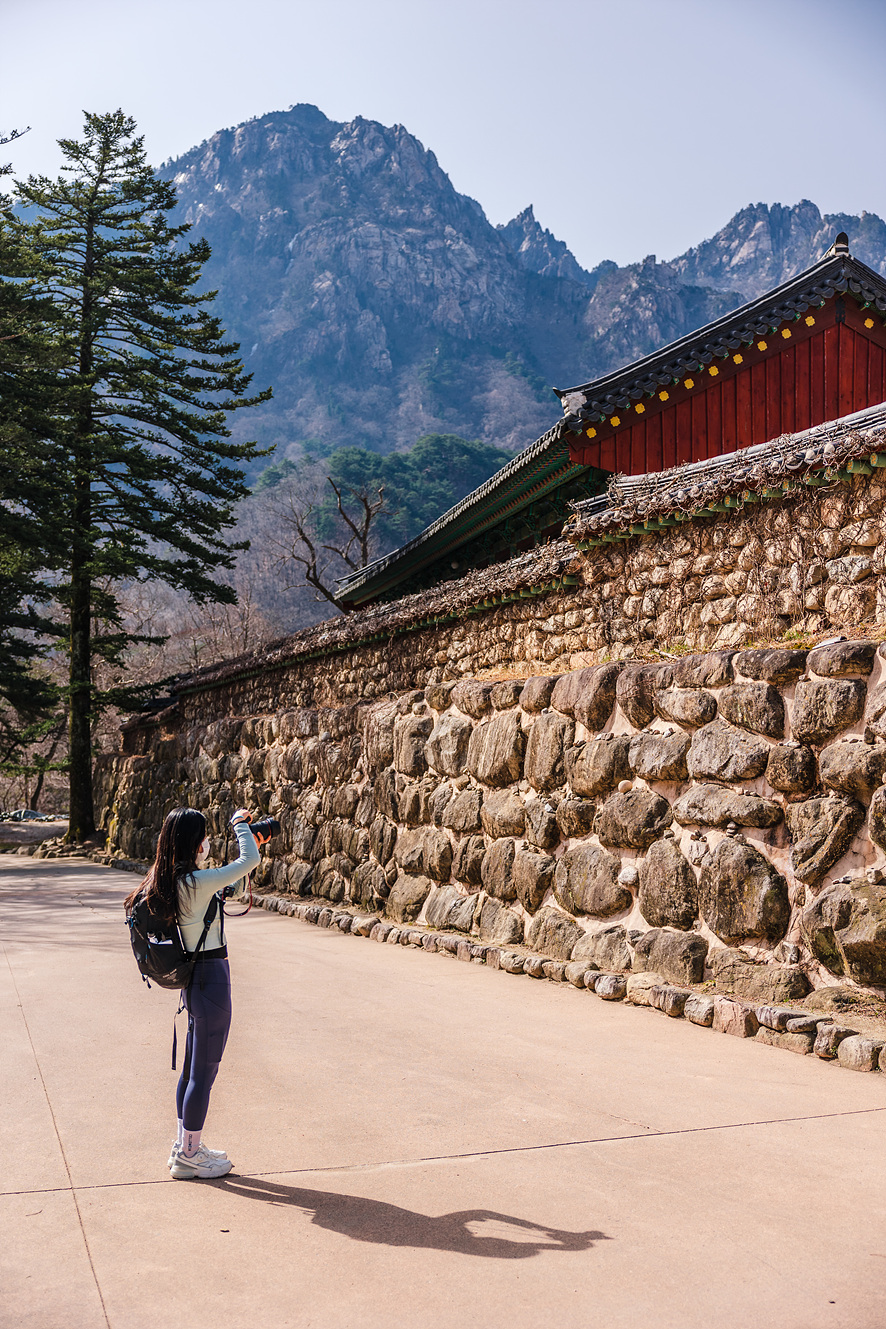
{"x":530,"y":476}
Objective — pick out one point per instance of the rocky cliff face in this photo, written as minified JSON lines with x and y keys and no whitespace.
{"x":382,"y":304}
{"x":763,"y":246}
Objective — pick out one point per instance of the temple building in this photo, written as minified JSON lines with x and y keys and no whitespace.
{"x":811,"y":351}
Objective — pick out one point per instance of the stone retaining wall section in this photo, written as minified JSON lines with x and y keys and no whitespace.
{"x":719,"y":814}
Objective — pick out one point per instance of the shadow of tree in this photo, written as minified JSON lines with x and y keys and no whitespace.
{"x":470,"y":1232}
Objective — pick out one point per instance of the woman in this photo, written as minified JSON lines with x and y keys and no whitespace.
{"x":179,"y":889}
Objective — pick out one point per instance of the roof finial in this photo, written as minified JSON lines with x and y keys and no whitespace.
{"x":839,"y":247}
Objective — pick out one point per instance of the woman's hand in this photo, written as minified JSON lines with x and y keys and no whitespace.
{"x":242,"y":814}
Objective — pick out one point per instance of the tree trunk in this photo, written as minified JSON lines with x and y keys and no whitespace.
{"x":81,"y":813}
{"x":38,"y":787}
{"x":81,"y":823}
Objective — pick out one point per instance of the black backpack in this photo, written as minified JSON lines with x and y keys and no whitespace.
{"x":158,"y":948}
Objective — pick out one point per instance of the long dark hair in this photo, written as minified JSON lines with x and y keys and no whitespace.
{"x":182,"y":834}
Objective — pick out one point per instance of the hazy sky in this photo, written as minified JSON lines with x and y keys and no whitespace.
{"x":634,"y":126}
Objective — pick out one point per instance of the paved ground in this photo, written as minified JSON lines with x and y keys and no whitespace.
{"x":418,"y":1142}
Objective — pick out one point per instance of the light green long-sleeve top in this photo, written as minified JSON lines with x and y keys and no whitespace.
{"x":195,"y":892}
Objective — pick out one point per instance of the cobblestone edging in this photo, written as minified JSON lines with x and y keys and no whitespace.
{"x":797,"y":1031}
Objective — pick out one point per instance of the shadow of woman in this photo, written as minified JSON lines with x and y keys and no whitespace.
{"x":470,"y":1232}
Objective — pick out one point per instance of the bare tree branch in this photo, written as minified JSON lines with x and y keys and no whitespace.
{"x":316,"y":558}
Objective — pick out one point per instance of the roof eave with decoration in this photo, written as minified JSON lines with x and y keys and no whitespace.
{"x":542,"y":466}
{"x":644,"y":504}
{"x":835,"y":274}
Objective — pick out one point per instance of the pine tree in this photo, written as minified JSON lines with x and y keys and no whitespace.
{"x":27,"y":349}
{"x":146,"y":476}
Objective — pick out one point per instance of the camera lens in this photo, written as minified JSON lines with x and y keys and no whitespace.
{"x":267,"y":828}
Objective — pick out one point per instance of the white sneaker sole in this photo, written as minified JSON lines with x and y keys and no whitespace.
{"x":181,"y":1171}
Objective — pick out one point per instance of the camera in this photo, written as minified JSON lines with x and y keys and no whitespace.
{"x":265,"y":829}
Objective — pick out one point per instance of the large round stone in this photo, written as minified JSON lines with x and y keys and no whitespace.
{"x":410,"y":735}
{"x":447,"y":908}
{"x":575,"y":816}
{"x":710,"y":669}
{"x":677,"y":956}
{"x":536,"y":693}
{"x":541,"y":823}
{"x":714,"y":805}
{"x":425,"y":849}
{"x":549,"y":737}
{"x":685,"y":706}
{"x":636,"y":688}
{"x":533,"y":876}
{"x":735,"y":971}
{"x":668,"y":888}
{"x":462,"y":813}
{"x":499,"y":925}
{"x":607,"y":949}
{"x":656,"y":756}
{"x":588,"y":695}
{"x":791,"y":768}
{"x":854,"y":768}
{"x":497,"y":871}
{"x":502,"y":813}
{"x":772,"y":665}
{"x":754,"y":706}
{"x":473,"y":697}
{"x":719,"y":751}
{"x":845,"y":927}
{"x":553,"y":934}
{"x":843,"y":659}
{"x":446,"y":750}
{"x":382,"y":839}
{"x":408,"y":894}
{"x":586,"y":882}
{"x":743,"y":897}
{"x":632,"y":820}
{"x":467,"y":860}
{"x":495,"y":752}
{"x":822,"y":829}
{"x":596,"y":767}
{"x":369,"y":886}
{"x":823,"y":708}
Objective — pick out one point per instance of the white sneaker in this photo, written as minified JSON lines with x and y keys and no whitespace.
{"x":201,"y":1165}
{"x":176,"y":1147}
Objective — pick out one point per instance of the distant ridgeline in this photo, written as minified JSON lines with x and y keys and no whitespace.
{"x":382,"y":305}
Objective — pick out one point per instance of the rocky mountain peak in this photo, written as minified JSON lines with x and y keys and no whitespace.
{"x":763,"y":245}
{"x":382,"y":304}
{"x":538,"y":250}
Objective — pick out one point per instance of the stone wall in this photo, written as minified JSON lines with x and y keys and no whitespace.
{"x":809,"y":562}
{"x":718,"y":814}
